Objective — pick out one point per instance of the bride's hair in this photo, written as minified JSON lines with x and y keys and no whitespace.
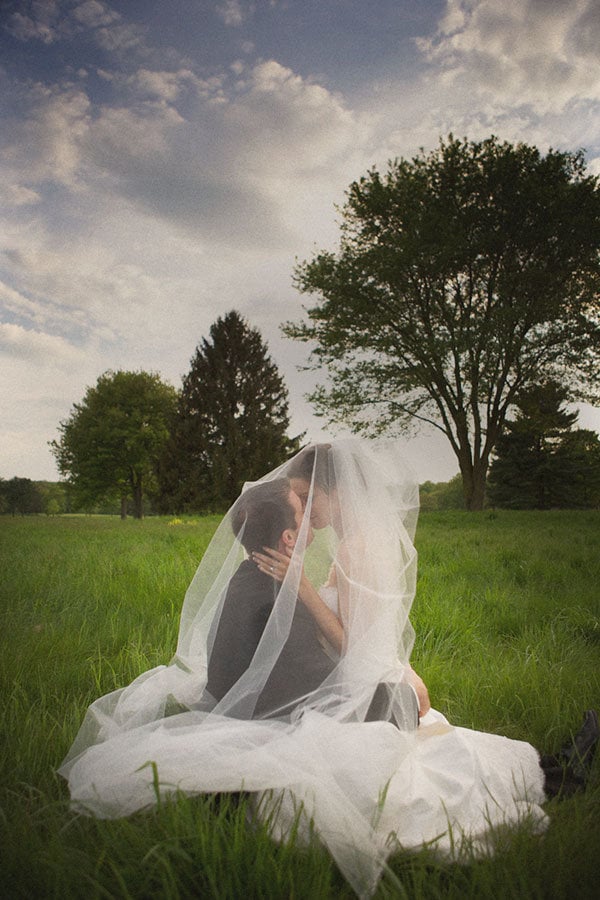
{"x":313,"y":462}
{"x":261,"y":513}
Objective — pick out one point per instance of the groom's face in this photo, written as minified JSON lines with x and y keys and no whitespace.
{"x":296,"y":504}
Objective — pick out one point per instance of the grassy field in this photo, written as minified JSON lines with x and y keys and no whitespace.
{"x":507,"y":616}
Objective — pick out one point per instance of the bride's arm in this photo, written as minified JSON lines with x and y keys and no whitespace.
{"x":276,"y":564}
{"x":346,"y":561}
{"x":327,"y":622}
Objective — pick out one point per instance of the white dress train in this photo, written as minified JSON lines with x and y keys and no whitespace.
{"x":364,"y":788}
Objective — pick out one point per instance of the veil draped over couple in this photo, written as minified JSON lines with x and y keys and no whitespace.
{"x":292,"y":682}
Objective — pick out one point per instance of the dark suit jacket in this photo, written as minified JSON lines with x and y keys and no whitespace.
{"x":302,"y":665}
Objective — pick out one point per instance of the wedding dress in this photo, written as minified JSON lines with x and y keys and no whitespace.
{"x":364,"y":788}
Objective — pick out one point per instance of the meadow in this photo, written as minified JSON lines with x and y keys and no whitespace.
{"x":507,"y":616}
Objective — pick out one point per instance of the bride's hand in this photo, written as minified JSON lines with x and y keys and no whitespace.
{"x":422,"y":692}
{"x":276,"y":564}
{"x":272,"y":563}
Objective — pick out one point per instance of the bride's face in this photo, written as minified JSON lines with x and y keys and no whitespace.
{"x":319,"y":510}
{"x":298,"y":507}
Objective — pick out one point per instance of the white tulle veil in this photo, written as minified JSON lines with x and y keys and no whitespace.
{"x":167,"y":725}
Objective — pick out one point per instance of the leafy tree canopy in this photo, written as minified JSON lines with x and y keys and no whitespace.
{"x":462,"y":276}
{"x":232,"y":420}
{"x":111,"y":442}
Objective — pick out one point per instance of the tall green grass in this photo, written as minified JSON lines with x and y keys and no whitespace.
{"x":507,"y":616}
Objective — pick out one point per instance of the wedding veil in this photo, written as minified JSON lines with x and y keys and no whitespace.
{"x":319,"y":749}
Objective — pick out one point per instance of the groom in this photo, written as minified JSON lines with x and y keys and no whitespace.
{"x":268,"y":514}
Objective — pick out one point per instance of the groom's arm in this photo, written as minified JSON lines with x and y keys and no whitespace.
{"x":241,"y":624}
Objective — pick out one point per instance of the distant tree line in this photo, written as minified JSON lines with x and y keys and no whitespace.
{"x":541,"y":461}
{"x":22,"y":497}
{"x":442,"y":494}
{"x":134,"y":445}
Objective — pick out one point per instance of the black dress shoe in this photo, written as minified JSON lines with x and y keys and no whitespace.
{"x":578,"y":755}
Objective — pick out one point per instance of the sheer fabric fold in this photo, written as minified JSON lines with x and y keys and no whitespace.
{"x":299,"y":726}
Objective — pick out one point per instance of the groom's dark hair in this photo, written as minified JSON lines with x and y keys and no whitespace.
{"x":262,"y":513}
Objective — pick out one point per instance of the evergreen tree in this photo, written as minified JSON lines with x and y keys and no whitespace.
{"x":578,"y":461}
{"x":541,"y":462}
{"x":231,"y":421}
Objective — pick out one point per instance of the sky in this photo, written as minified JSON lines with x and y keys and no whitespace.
{"x":163,"y":163}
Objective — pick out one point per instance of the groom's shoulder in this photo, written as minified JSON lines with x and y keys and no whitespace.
{"x":250,"y":586}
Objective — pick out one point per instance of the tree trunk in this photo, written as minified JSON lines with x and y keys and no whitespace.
{"x":473,"y":478}
{"x":138,"y":508}
{"x":478,"y":493}
{"x":123,"y":506}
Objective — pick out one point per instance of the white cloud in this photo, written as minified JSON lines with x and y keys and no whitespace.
{"x":18,"y":195}
{"x":90,"y":286}
{"x":121,"y":38}
{"x":236,"y":172}
{"x":50,"y":21}
{"x":39,"y":21}
{"x":297,"y":145}
{"x":119,"y":135}
{"x":16,"y":304}
{"x":95,"y":14}
{"x":42,"y":376}
{"x":44,"y":143}
{"x":26,"y":29}
{"x":53,"y":20}
{"x":283,"y":110}
{"x":537,"y":52}
{"x":37,"y":347}
{"x":235,"y":12}
{"x":232,"y":12}
{"x":166,"y":86}
{"x":594,"y":166}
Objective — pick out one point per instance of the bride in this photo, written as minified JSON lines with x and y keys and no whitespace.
{"x":354,"y":755}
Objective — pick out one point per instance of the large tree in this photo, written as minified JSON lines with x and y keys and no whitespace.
{"x":111,"y":442}
{"x":232,"y":420}
{"x":462,"y":276}
{"x":540,"y":460}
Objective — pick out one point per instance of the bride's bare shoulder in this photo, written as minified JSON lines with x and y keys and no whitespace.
{"x":351,"y":550}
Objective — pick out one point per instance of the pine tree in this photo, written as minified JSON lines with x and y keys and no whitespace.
{"x":541,"y":461}
{"x":578,"y":461}
{"x":231,"y":424}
